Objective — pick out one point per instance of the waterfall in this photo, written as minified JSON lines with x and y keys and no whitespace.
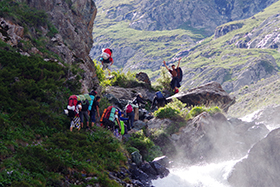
{"x":206,"y":175}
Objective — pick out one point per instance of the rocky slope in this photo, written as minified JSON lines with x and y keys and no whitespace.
{"x":73,"y":22}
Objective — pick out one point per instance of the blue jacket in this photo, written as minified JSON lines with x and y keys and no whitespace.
{"x":90,"y":104}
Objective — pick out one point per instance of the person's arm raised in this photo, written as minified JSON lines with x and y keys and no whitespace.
{"x":165,"y":65}
{"x":179,"y":63}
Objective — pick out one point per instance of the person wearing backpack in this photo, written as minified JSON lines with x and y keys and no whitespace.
{"x":84,"y":113}
{"x":130,"y":113}
{"x":176,"y":74}
{"x":76,"y":121}
{"x":94,"y":110}
{"x":106,"y":59}
{"x":159,"y":100}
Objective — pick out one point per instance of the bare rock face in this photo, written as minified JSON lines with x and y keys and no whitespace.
{"x":261,"y":167}
{"x":74,"y":22}
{"x":208,"y":94}
{"x":10,"y":33}
{"x":223,"y":30}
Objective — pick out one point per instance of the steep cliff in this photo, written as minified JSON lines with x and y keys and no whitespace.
{"x":70,"y":38}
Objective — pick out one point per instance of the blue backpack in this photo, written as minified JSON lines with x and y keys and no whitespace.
{"x":159,"y":95}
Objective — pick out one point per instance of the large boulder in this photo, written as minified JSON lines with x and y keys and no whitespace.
{"x":141,"y":76}
{"x":213,"y":137}
{"x":261,"y":167}
{"x":208,"y":94}
{"x":129,"y":93}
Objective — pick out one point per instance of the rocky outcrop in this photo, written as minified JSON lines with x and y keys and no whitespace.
{"x":211,"y":94}
{"x":141,"y":76}
{"x":211,"y":138}
{"x":261,"y":167}
{"x":74,"y":22}
{"x":223,"y":30}
{"x":10,"y":33}
{"x":144,"y":172}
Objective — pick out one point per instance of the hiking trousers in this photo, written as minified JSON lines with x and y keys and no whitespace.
{"x":130,"y":120}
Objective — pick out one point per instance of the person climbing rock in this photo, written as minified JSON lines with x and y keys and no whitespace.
{"x":159,"y":100}
{"x":130,"y":113}
{"x":106,"y":59}
{"x":176,"y":74}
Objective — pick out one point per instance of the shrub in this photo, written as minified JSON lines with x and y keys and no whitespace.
{"x":172,"y":110}
{"x":195,"y":111}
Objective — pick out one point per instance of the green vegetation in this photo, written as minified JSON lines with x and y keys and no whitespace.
{"x":176,"y":110}
{"x":140,"y":142}
{"x":37,"y":148}
{"x":124,"y":80}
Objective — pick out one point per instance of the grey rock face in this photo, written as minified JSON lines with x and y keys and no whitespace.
{"x":261,"y":168}
{"x":74,"y":22}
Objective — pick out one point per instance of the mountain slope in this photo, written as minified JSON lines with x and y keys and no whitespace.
{"x":143,"y":33}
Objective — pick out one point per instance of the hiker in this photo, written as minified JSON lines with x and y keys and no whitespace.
{"x":159,"y":100}
{"x":75,"y":122}
{"x":138,"y":100}
{"x":176,"y":74}
{"x":109,"y":116}
{"x":130,"y":113}
{"x":106,"y":59}
{"x":94,"y":109}
{"x":84,"y":113}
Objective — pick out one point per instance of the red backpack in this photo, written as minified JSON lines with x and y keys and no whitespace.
{"x":129,"y":108}
{"x":72,"y":101}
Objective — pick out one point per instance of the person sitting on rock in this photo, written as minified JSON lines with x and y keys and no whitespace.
{"x":175,"y":82}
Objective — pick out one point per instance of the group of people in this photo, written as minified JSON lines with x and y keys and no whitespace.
{"x":85,"y":111}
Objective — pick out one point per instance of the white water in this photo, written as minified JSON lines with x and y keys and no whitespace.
{"x":208,"y":175}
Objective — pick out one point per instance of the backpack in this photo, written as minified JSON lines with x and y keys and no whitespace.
{"x":159,"y":95}
{"x":93,"y":93}
{"x":106,"y":53}
{"x":128,"y":109}
{"x":72,"y":103}
{"x":179,"y":74}
{"x":85,"y":100}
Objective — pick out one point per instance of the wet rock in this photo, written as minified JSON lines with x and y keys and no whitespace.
{"x":261,"y":167}
{"x":211,"y":138}
{"x":149,"y":170}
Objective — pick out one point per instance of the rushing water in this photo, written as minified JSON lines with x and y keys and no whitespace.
{"x":207,"y":175}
